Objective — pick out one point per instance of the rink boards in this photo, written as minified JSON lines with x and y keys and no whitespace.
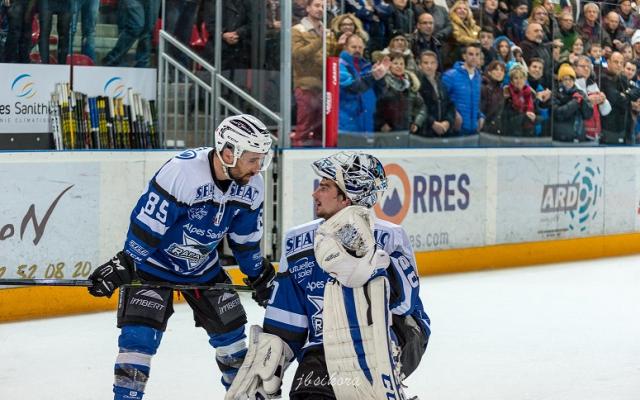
{"x":64,"y":213}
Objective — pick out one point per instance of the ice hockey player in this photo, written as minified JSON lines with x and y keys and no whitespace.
{"x":339,"y":276}
{"x":194,"y":201}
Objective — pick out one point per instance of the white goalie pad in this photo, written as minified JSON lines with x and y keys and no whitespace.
{"x":260,"y":375}
{"x":357,"y":345}
{"x":346,"y":249}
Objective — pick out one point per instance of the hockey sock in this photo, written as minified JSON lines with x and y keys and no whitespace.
{"x":231,"y":349}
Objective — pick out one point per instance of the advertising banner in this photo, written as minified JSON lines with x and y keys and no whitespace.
{"x":622,"y":187}
{"x":549,"y":195}
{"x":25,"y":96}
{"x":114,"y":81}
{"x":49,"y":220}
{"x":64,"y":213}
{"x":439,"y":199}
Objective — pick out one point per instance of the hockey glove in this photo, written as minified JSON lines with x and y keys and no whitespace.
{"x":262,"y":284}
{"x":110,"y":275}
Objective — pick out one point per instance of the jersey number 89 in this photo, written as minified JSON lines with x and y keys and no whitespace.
{"x":150,"y":207}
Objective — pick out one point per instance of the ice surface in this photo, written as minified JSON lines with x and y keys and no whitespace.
{"x":557,"y":332}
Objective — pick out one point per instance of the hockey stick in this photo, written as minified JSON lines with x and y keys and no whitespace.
{"x":227,"y":287}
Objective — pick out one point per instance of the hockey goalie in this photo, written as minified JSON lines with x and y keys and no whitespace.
{"x":346,"y":299}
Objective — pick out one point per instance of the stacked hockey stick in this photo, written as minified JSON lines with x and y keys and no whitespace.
{"x":82,"y":122}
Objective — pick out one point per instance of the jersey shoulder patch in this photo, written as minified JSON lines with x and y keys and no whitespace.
{"x":187,"y":176}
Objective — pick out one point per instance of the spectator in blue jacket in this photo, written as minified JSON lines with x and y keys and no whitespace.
{"x":359,"y":80}
{"x":463,"y":83}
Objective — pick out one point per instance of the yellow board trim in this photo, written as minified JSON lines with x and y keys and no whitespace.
{"x":37,"y":302}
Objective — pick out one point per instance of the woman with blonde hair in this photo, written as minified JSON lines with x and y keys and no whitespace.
{"x":540,"y":15}
{"x":342,"y":27}
{"x":465,"y":31}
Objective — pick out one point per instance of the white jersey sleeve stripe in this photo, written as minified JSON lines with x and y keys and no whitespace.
{"x":155,"y":225}
{"x":286,"y":317}
{"x":242,"y":239}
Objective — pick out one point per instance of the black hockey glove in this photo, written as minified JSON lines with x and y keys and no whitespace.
{"x":262,"y":284}
{"x":110,"y":275}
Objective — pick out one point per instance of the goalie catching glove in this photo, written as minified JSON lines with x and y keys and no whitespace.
{"x":111,"y":275}
{"x":260,"y":375}
{"x":346,"y":248}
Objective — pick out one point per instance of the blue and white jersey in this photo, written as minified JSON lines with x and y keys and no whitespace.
{"x":183,"y":215}
{"x":295,"y":309}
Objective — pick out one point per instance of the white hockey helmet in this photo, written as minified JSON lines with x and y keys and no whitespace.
{"x":359,"y":175}
{"x":242,"y":133}
{"x":345,"y":247}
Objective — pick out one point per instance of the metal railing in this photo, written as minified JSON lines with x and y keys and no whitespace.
{"x":190,"y":106}
{"x":181,"y":93}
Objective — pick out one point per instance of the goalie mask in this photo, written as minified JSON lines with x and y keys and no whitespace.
{"x":346,"y":249}
{"x":358,"y":175}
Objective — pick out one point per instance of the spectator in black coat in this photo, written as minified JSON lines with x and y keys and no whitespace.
{"x":617,"y":126}
{"x":423,"y":39}
{"x":441,"y":111}
{"x":571,"y":107}
{"x":492,"y":97}
{"x":402,"y":19}
{"x":442,"y":23}
{"x":533,"y":47}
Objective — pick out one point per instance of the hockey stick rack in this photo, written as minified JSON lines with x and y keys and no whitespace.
{"x":224,"y":287}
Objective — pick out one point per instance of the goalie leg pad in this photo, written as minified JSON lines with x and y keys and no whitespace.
{"x":357,"y":342}
{"x":263,"y":367}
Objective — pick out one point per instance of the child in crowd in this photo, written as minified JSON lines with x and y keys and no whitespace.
{"x":571,"y":107}
{"x":519,"y":110}
{"x":595,"y":53}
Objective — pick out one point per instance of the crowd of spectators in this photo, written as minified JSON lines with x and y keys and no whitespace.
{"x":562,"y":71}
{"x":26,"y":30}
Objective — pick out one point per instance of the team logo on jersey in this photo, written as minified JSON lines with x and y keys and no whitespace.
{"x":187,"y":155}
{"x":316,"y":318}
{"x":191,"y":251}
{"x":198,"y":213}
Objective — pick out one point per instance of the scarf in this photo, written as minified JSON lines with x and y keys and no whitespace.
{"x":522,"y":100}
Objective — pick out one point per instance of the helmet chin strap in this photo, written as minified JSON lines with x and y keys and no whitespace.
{"x":225,"y":166}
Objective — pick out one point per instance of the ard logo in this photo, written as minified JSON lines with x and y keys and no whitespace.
{"x":560,"y":197}
{"x":579,"y":198}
